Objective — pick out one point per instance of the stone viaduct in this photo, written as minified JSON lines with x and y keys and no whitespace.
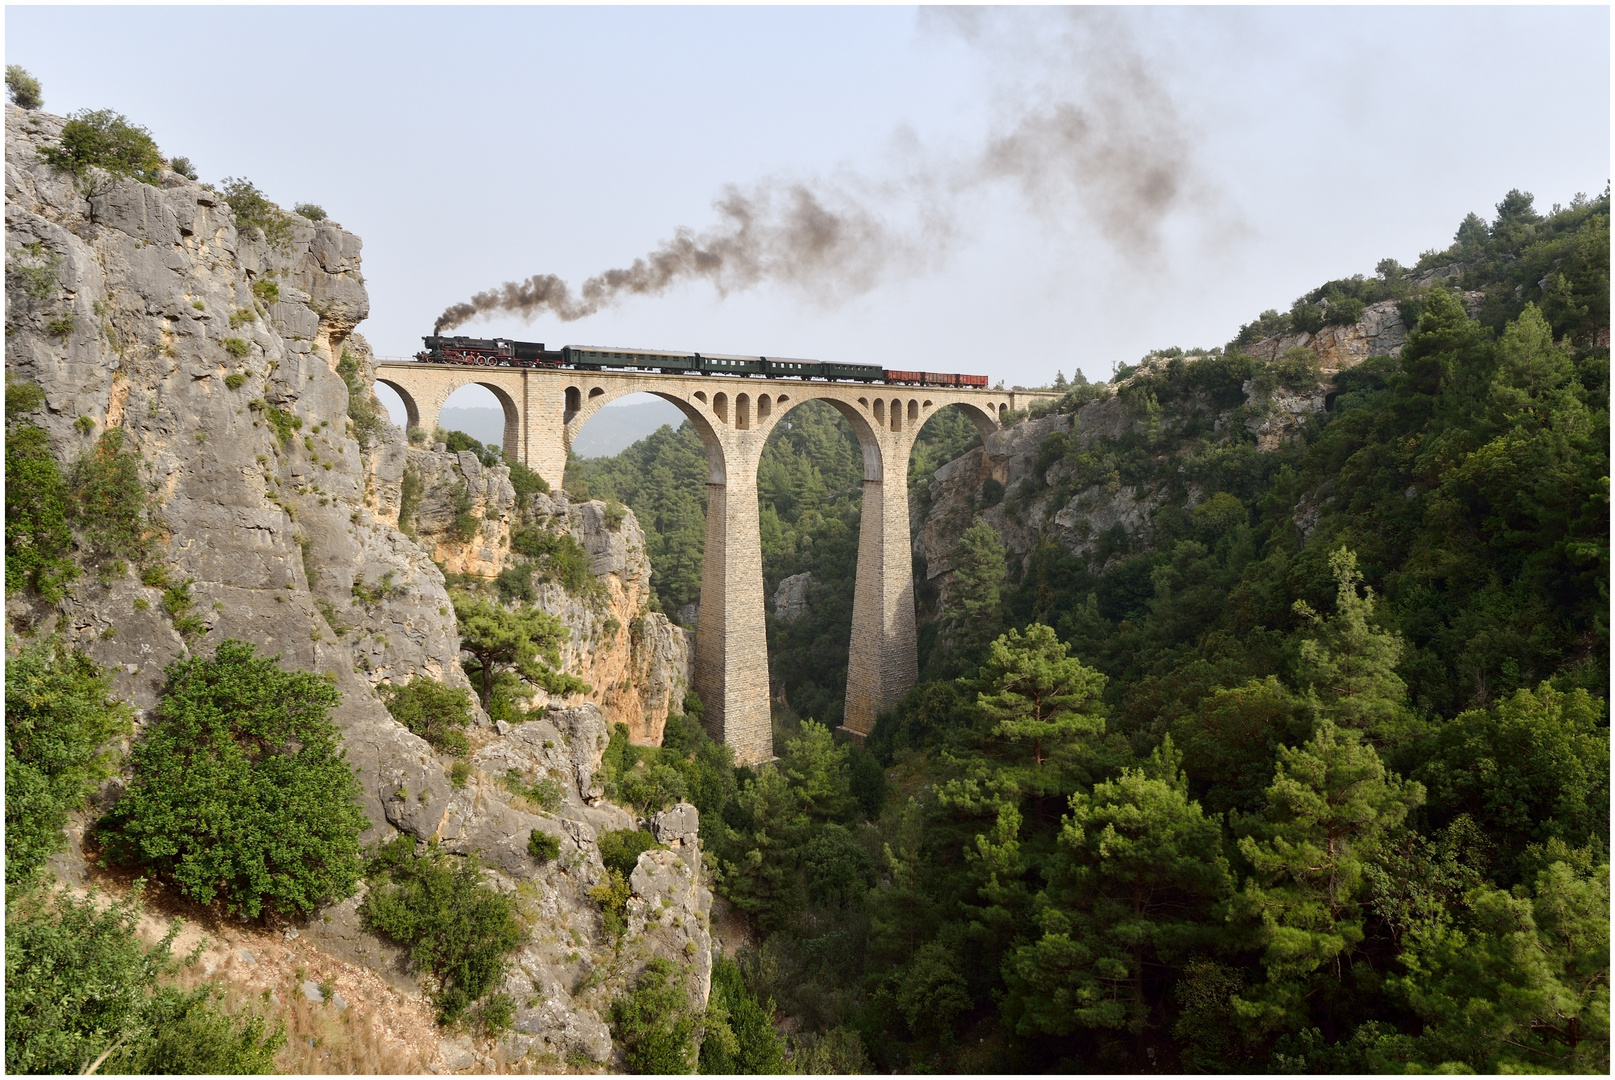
{"x":546,"y":408}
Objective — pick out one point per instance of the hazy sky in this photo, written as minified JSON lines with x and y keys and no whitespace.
{"x":1002,"y":191}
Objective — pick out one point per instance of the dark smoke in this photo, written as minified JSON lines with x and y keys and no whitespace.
{"x":1091,"y":135}
{"x":786,"y":232}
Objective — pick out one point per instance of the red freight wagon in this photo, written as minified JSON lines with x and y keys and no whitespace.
{"x":905,"y":376}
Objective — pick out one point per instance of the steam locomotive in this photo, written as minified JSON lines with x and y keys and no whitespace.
{"x":502,"y":352}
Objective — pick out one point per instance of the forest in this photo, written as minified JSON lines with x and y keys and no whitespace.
{"x":1237,"y":798}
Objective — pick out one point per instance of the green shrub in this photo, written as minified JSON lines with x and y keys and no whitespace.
{"x":253,"y":210}
{"x":620,"y":849}
{"x":410,"y":490}
{"x":241,"y":790}
{"x":458,"y":441}
{"x":1345,"y":311}
{"x":654,"y":1023}
{"x":436,"y":712}
{"x":82,"y":989}
{"x":183,"y":166}
{"x":740,"y":1036}
{"x":558,"y":557}
{"x":652,"y":785}
{"x":542,"y":846}
{"x":39,"y":282}
{"x":267,"y":292}
{"x":1306,"y":318}
{"x":367,"y":420}
{"x":544,"y":793}
{"x":455,"y":927}
{"x":284,"y":423}
{"x":496,"y":1014}
{"x":61,"y":718}
{"x":103,"y":139}
{"x":62,"y":327}
{"x":612,"y":896}
{"x":236,"y":347}
{"x":310,"y":211}
{"x":526,"y":481}
{"x":109,"y":501}
{"x":178,"y":602}
{"x":459,"y":773}
{"x":22,"y":88}
{"x":236,"y":380}
{"x":465,"y":526}
{"x":614,"y":514}
{"x":39,"y":539}
{"x":516,"y":583}
{"x":241,"y":317}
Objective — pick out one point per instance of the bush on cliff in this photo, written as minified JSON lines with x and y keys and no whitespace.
{"x":103,"y":139}
{"x":241,"y":791}
{"x":22,"y":88}
{"x":60,"y":723}
{"x":654,"y":1023}
{"x":437,"y":713}
{"x":454,"y":925}
{"x":524,"y":643}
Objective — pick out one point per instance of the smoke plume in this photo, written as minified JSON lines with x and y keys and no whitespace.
{"x":1085,"y":132}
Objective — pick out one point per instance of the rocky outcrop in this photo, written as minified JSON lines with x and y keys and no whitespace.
{"x":1380,"y":332}
{"x":636,"y":662}
{"x":463,"y":511}
{"x":985,"y":481}
{"x":791,"y":598}
{"x":227,"y":363}
{"x":215,"y":353}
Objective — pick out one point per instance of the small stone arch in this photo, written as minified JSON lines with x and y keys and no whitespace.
{"x":743,"y":412}
{"x":507,"y":404}
{"x":574,"y":402}
{"x":868,"y":436}
{"x":720,"y":406}
{"x":412,"y":411}
{"x":984,"y":417}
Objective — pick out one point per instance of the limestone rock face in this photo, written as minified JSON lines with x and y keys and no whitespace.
{"x":791,"y":598}
{"x":958,"y":491}
{"x":464,"y":513}
{"x":637,"y":663}
{"x":145,"y":309}
{"x":160,"y":321}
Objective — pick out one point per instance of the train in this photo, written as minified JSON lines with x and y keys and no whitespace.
{"x":504,"y":352}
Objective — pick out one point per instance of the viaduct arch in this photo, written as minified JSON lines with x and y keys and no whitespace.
{"x":545,"y":409}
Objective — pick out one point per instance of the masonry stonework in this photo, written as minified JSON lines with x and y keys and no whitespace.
{"x":546,"y":408}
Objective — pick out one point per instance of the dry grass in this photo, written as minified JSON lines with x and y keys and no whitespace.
{"x":320,"y":1038}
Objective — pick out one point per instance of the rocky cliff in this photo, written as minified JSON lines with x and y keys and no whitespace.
{"x":231,"y":365}
{"x":1071,"y":492}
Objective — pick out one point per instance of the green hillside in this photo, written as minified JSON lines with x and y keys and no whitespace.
{"x":1241,"y":798}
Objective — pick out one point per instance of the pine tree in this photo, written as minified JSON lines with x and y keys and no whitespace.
{"x":1348,"y":667}
{"x":1328,"y":807}
{"x":972,"y":610}
{"x":1148,"y":868}
{"x":1036,"y":696}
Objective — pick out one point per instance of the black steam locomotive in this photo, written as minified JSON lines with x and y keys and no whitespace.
{"x":503,"y":352}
